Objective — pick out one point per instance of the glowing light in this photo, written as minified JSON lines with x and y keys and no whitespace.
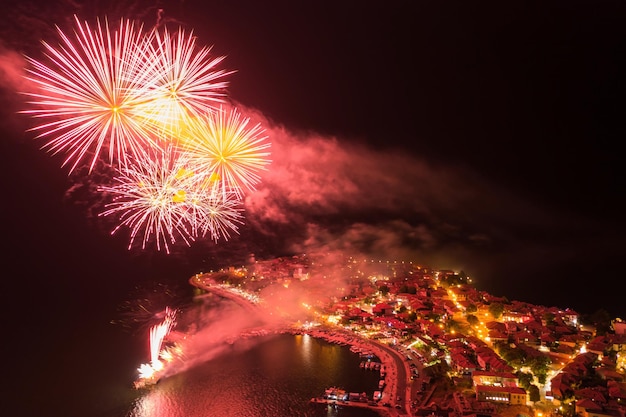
{"x":158,"y":333}
{"x":148,"y":372}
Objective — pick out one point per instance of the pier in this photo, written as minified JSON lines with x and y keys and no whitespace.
{"x":346,"y":403}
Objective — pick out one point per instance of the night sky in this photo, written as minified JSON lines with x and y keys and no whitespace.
{"x":477,"y":136}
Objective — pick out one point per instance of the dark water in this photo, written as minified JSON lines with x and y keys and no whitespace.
{"x":84,"y":366}
{"x":268,"y":375}
{"x":276,"y":377}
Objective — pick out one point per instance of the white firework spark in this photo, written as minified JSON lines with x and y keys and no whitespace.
{"x":150,"y":198}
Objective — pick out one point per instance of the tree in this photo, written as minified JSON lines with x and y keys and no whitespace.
{"x":496,"y":309}
{"x":533,"y":393}
{"x":525,"y":379}
{"x":513,"y":356}
{"x":601,"y":319}
{"x":472,"y":320}
{"x":539,"y":365}
{"x":549,"y":318}
{"x":454,"y":325}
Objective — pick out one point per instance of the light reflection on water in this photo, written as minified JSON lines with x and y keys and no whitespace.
{"x":275,"y":377}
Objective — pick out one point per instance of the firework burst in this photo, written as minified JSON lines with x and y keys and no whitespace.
{"x":184,"y":81}
{"x":149,"y":100}
{"x":223,"y":144}
{"x":88,"y":93}
{"x":150,"y":196}
{"x":120,"y":91}
{"x":160,"y":199}
{"x":221,"y":213}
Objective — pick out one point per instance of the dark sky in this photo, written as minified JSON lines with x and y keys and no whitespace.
{"x":482,"y":136}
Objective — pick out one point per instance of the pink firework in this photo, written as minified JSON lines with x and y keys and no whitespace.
{"x":223,"y":145}
{"x":88,"y":93}
{"x":151,"y":101}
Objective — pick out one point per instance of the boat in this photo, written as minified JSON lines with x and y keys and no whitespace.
{"x":335,"y":394}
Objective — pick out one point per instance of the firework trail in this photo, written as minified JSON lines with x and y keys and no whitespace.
{"x":222,"y":143}
{"x":147,"y":371}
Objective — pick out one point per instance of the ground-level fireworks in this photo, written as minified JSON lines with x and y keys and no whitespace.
{"x":148,"y":372}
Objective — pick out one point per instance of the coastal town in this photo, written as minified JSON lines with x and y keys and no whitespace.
{"x":442,"y":347}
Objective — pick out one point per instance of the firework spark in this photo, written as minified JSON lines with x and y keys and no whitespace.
{"x":158,"y":333}
{"x":221,"y":213}
{"x":120,"y":91}
{"x":222,"y":143}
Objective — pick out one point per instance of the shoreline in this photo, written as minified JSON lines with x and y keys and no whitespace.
{"x":340,"y":336}
{"x":343,"y":337}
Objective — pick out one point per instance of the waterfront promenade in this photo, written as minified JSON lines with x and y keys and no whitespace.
{"x":397,"y":370}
